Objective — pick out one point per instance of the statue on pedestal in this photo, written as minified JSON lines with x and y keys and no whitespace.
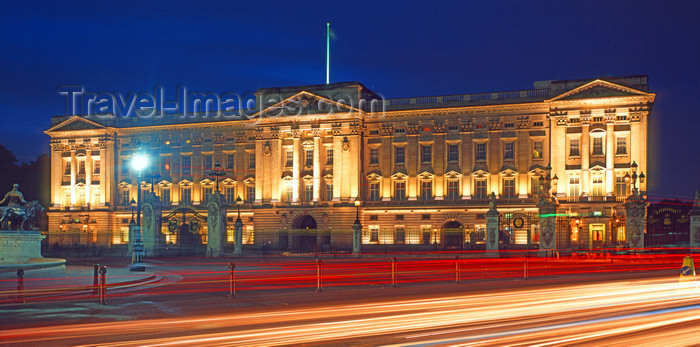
{"x":18,"y":214}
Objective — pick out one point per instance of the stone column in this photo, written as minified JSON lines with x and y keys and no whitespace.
{"x":584,"y":147}
{"x":216,"y":224}
{"x":317,"y":168}
{"x":610,"y":159}
{"x":695,"y":225}
{"x":153,"y":240}
{"x":635,"y":207}
{"x":492,"y":227}
{"x":548,"y":224}
{"x":357,"y":239}
{"x":296,"y":170}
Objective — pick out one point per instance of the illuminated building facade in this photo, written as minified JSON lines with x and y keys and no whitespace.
{"x":422,"y":167}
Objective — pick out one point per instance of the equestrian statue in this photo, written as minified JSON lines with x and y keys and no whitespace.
{"x":18,"y":214}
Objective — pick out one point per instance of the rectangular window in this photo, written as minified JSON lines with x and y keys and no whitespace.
{"x":621,"y":145}
{"x":574,"y":187}
{"x":186,"y":196}
{"x":620,"y":186}
{"x":399,"y":234}
{"x":207,"y":163}
{"x":597,"y":186}
{"x":399,"y":156}
{"x":374,"y":156}
{"x":426,"y":154}
{"x":480,"y":150}
{"x":309,"y":157}
{"x":536,"y":185}
{"x":125,"y":167}
{"x":329,"y":191}
{"x":537,"y":150}
{"x":230,"y":196}
{"x":165,"y":165}
{"x":289,"y":161}
{"x":453,"y":153}
{"x":373,"y":233}
{"x":453,"y":190}
{"x":207,"y":192}
{"x":251,"y":194}
{"x":509,"y":151}
{"x":81,"y":167}
{"x":66,"y":168}
{"x":400,"y":191}
{"x":230,"y":162}
{"x":329,"y":156}
{"x":125,"y":197}
{"x":308,"y":192}
{"x":480,"y":191}
{"x":509,"y":188}
{"x":597,"y":146}
{"x":289,"y":190}
{"x":251,"y":161}
{"x":574,"y":147}
{"x":95,"y":166}
{"x":186,"y":165}
{"x":165,"y":196}
{"x":374,"y":192}
{"x":426,"y":190}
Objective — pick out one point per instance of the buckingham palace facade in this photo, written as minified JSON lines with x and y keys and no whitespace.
{"x":421,"y":168}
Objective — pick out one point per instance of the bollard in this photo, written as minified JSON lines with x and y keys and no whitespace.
{"x":95,"y":284}
{"x":103,"y":285}
{"x":393,"y":272}
{"x":525,"y":268}
{"x":457,"y":279}
{"x":231,"y":280}
{"x":20,"y":285}
{"x":319,"y":262}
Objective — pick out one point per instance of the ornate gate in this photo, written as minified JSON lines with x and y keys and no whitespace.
{"x":185,"y":237}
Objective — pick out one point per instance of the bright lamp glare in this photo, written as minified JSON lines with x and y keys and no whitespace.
{"x":139,"y":162}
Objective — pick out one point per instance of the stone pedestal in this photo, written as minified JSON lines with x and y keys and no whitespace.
{"x":548,"y":226}
{"x":19,"y":246}
{"x":635,"y":207}
{"x":694,"y":215}
{"x":492,"y":232}
{"x":216,"y":225}
{"x":238,"y":237}
{"x":151,"y":235}
{"x":356,"y":239}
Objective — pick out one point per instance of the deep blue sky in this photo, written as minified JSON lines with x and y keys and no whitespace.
{"x":402,"y":49}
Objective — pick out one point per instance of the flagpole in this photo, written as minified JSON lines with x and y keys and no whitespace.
{"x":328,"y":53}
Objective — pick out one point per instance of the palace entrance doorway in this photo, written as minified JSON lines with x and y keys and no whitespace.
{"x":303,"y":236}
{"x":453,"y":235}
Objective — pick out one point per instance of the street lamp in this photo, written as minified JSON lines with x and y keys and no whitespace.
{"x":238,"y":230}
{"x":138,"y":163}
{"x":217,"y":172}
{"x":357,"y":231}
{"x":239,"y":202}
{"x":132,"y":203}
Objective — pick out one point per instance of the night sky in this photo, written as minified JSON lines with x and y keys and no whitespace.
{"x":402,"y":49}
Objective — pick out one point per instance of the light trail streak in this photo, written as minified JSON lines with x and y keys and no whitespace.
{"x":564,"y":315}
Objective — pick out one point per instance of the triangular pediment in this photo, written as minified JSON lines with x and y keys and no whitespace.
{"x":598,"y":89}
{"x":76,"y":123}
{"x":305,"y":103}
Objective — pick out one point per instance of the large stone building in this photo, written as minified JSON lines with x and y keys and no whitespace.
{"x":421,"y":167}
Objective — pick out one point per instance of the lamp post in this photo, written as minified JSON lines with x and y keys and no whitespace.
{"x":138,"y":162}
{"x":152,"y":176}
{"x":357,"y":231}
{"x":634,"y":177}
{"x":238,"y":230}
{"x":217,"y":172}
